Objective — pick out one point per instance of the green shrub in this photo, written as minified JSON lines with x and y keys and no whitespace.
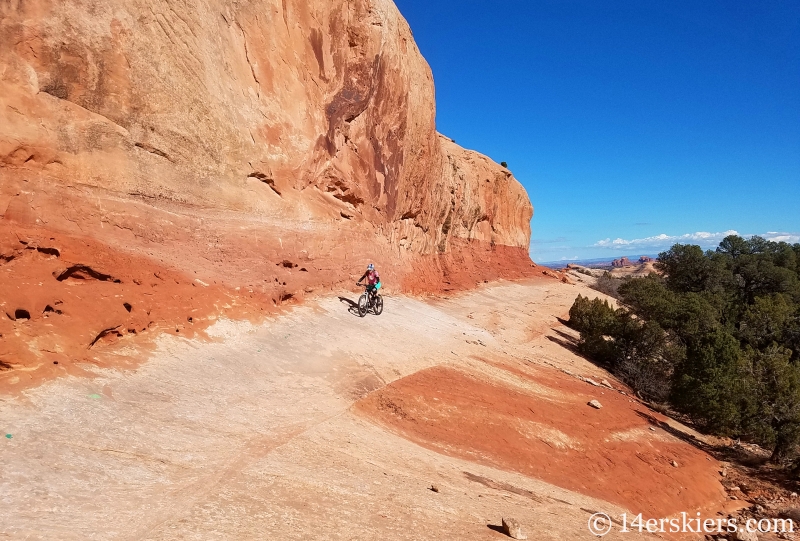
{"x":717,"y":334}
{"x":609,"y":285}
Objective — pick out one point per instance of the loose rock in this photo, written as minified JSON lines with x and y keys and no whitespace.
{"x":512,"y":528}
{"x":743,"y":535}
{"x":595,"y":404}
{"x":792,"y":513}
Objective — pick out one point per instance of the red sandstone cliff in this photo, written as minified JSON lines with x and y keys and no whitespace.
{"x":275,"y":145}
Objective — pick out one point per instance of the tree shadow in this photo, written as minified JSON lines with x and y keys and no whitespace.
{"x":352,"y":306}
{"x":666,"y":427}
{"x":568,"y":343}
{"x":566,"y":336}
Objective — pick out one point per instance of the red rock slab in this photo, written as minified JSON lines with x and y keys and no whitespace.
{"x":65,"y":301}
{"x":609,"y":453}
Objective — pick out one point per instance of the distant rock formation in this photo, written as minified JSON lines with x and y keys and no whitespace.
{"x":621,"y":262}
{"x":645,"y":259}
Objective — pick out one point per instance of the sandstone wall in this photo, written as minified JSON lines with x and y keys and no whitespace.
{"x":192,"y":159}
{"x":290,"y":111}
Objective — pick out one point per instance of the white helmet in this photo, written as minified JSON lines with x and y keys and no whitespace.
{"x":370,"y":267}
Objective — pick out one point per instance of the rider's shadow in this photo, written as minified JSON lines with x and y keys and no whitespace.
{"x":352,"y":306}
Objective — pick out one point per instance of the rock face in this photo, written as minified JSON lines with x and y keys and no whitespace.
{"x":272,"y":146}
{"x":621,"y":262}
{"x":311,"y":121}
{"x":645,"y":259}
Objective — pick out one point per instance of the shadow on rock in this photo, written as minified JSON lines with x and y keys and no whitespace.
{"x":569,"y":343}
{"x":352,"y":306}
{"x":496,"y":528}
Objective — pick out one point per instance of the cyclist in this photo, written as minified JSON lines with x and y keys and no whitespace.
{"x":373,"y":281}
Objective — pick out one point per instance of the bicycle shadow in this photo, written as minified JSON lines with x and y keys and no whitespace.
{"x":352,"y":306}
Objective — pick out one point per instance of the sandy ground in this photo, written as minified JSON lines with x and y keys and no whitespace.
{"x":286,"y":430}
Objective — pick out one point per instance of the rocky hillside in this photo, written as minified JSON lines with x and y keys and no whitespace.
{"x":272,"y":148}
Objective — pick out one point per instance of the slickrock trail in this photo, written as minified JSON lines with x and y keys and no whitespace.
{"x":320,"y":424}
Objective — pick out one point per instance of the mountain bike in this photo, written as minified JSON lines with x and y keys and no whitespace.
{"x":367,"y":302}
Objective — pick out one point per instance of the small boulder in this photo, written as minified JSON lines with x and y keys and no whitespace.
{"x":512,"y":528}
{"x":674,"y":464}
{"x":743,"y":535}
{"x":434,"y":488}
{"x":605,"y":383}
{"x":792,"y":513}
{"x":590,"y":381}
{"x":595,"y":404}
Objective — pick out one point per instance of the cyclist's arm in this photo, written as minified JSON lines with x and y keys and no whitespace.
{"x":362,"y":277}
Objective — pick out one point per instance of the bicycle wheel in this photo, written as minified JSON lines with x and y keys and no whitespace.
{"x":362,"y":305}
{"x":378,"y":309}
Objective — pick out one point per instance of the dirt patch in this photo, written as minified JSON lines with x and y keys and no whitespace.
{"x":562,"y":442}
{"x":66,"y":300}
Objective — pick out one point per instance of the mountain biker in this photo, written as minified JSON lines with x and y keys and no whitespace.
{"x":373,"y":280}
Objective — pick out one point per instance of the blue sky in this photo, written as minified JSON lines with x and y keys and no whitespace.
{"x":632,"y":124}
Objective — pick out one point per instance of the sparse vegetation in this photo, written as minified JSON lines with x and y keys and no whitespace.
{"x":608,"y":285}
{"x":716,"y":336}
{"x":504,"y":164}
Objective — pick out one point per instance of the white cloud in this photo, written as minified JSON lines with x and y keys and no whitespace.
{"x":702,"y":238}
{"x":775,"y":236}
